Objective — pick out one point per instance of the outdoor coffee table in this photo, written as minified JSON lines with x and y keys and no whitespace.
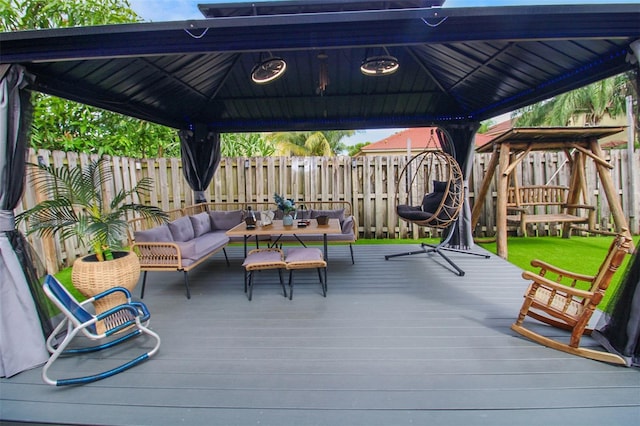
{"x":277,"y":228}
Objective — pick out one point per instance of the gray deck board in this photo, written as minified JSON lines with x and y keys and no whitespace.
{"x":395,"y":342}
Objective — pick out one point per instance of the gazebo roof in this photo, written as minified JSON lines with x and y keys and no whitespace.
{"x":457,"y":65}
{"x":550,"y":138}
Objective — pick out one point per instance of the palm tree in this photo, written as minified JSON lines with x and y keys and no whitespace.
{"x":314,"y":143}
{"x":594,"y":102}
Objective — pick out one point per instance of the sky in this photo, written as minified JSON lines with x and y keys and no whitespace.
{"x":180,"y":10}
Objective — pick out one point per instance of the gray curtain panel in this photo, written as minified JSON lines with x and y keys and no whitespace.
{"x":22,"y":342}
{"x":462,"y":147}
{"x":619,"y":332}
{"x":200,"y":149}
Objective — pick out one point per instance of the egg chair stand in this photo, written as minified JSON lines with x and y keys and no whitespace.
{"x":426,"y":248}
{"x":437,"y":174}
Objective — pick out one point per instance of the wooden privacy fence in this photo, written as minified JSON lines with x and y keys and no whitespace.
{"x":369,"y":183}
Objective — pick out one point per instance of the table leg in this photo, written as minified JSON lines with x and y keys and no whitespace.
{"x":326,"y":250}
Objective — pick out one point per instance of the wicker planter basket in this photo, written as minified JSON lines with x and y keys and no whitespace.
{"x":91,"y":277}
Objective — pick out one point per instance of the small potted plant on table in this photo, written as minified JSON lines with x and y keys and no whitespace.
{"x":287,"y":206}
{"x":75,"y":206}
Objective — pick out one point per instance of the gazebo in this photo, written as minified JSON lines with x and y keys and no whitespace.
{"x":578,"y":143}
{"x":301,"y":65}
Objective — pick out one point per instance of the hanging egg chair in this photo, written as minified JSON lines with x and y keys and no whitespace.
{"x":430,"y":193}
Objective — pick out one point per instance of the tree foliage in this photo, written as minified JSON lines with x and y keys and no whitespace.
{"x":314,"y":143}
{"x":246,"y":145}
{"x":355,"y":149}
{"x":19,"y":15}
{"x":59,"y":124}
{"x":593,"y":102}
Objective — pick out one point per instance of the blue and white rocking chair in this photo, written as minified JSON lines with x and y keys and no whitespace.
{"x":130,"y":318}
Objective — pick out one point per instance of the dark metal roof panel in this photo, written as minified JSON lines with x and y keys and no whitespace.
{"x":217,"y":10}
{"x":455,"y":64}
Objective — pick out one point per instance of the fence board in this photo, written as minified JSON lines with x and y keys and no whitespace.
{"x":369,"y":183}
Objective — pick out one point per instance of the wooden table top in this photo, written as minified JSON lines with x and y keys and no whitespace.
{"x":240,"y":230}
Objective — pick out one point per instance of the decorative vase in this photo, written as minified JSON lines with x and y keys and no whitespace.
{"x":287,"y":220}
{"x":91,"y":277}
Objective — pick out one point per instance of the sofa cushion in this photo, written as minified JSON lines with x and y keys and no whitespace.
{"x":333,"y":214}
{"x":413,"y":213}
{"x":225,"y":220}
{"x":157,"y":234}
{"x":431,"y":202}
{"x":210,"y":242}
{"x":203,"y":245}
{"x":298,"y":214}
{"x":188,"y":249}
{"x":181,"y":229}
{"x":439,"y":186}
{"x":201,"y":223}
{"x":347,"y":225}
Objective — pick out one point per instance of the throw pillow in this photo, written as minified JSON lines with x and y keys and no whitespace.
{"x":439,"y":186}
{"x":347,"y":225}
{"x":181,"y":229}
{"x":431,"y":202}
{"x":333,"y":214}
{"x":158,"y":234}
{"x":201,"y":223}
{"x":226,"y":220}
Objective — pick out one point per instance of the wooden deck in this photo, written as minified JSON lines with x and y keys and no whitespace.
{"x":396,"y":342}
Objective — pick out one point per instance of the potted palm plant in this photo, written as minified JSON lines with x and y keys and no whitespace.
{"x":76,"y":206}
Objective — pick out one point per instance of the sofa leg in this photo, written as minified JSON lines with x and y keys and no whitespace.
{"x":186,"y":284}
{"x":224,"y":250}
{"x":353,"y":262}
{"x":144,"y":282}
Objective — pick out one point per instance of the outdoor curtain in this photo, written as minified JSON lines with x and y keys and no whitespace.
{"x":619,"y":332}
{"x":22,"y":341}
{"x":200,"y":158}
{"x":462,"y":138}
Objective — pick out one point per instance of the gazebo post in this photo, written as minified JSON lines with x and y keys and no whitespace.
{"x":576,"y":185}
{"x":501,"y":203}
{"x":486,"y":183}
{"x":609,"y":190}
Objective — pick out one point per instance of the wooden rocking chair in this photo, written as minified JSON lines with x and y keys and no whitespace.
{"x":560,"y":303}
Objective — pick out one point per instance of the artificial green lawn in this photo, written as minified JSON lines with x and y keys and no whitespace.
{"x":577,"y":254}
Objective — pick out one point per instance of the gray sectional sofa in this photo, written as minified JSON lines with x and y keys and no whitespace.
{"x":183,"y":243}
{"x":197,"y":232}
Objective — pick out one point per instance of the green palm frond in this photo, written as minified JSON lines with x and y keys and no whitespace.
{"x":318,"y":145}
{"x":76,"y":206}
